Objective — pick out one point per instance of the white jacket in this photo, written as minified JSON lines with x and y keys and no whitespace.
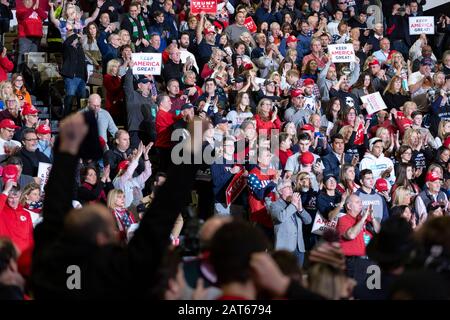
{"x":378,"y":165}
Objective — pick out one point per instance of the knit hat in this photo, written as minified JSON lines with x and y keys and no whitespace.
{"x":373,"y":141}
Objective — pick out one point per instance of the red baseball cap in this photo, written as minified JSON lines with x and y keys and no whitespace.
{"x":381,"y":185}
{"x":431,"y":177}
{"x":29,"y":109}
{"x":291,"y":39}
{"x":123,"y":165}
{"x":308,"y":82}
{"x":374,"y":62}
{"x":296,"y":93}
{"x":308,"y":127}
{"x":8,"y":123}
{"x":306,"y":158}
{"x":10,"y":172}
{"x":43,"y":129}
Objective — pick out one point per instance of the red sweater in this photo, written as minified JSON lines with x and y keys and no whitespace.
{"x":5,"y":67}
{"x":164,"y":122}
{"x":114,"y":91}
{"x":23,"y":13}
{"x":16,"y":224}
{"x":266,"y":126}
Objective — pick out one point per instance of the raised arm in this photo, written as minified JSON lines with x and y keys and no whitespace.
{"x":96,"y":12}
{"x":51,"y":15}
{"x":60,"y":188}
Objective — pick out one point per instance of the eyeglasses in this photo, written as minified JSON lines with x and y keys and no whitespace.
{"x":19,"y":80}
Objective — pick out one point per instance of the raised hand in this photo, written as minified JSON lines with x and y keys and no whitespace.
{"x":72,"y":131}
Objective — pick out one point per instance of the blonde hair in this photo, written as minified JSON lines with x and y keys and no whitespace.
{"x":3,"y":84}
{"x":346,"y":132}
{"x":27,"y":190}
{"x":441,"y":133}
{"x":407,"y":136}
{"x":399,"y":195}
{"x":258,"y":108}
{"x":380,"y":130}
{"x":408,"y":105}
{"x":71,"y":6}
{"x":326,"y":281}
{"x":112,"y":63}
{"x":112,"y":196}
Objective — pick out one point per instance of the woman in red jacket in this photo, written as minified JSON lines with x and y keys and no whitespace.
{"x":114,"y":92}
{"x":15,"y":221}
{"x":29,"y":20}
{"x":5,"y":66}
{"x":266,"y":119}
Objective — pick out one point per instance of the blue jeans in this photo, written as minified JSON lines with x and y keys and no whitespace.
{"x":75,"y":86}
{"x":300,"y":256}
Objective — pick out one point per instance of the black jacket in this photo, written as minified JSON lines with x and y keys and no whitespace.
{"x":31,"y":161}
{"x":113,"y":157}
{"x":110,"y":271}
{"x":74,"y":62}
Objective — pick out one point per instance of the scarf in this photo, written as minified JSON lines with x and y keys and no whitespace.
{"x":123,"y":218}
{"x":35,"y":207}
{"x":101,"y":197}
{"x":135,"y":28}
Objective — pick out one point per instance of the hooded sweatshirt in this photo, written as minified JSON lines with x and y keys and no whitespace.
{"x":380,"y":209}
{"x":378,"y":165}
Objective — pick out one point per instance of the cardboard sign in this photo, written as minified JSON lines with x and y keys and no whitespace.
{"x":250,"y":24}
{"x":321,"y":225}
{"x":43,"y":173}
{"x":419,"y":25}
{"x":374,"y":102}
{"x":234,"y":189}
{"x":147,"y":63}
{"x":342,"y":53}
{"x":204,"y":6}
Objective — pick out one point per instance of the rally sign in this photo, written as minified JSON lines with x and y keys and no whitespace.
{"x":321,"y":225}
{"x":419,"y":25}
{"x":250,"y":24}
{"x":235,"y":187}
{"x":44,"y":173}
{"x":204,"y":6}
{"x":147,"y":63}
{"x":374,"y":102}
{"x":341,"y":53}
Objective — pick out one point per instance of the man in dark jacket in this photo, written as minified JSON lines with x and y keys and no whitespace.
{"x":110,"y":49}
{"x":74,"y":70}
{"x":173,"y":69}
{"x":76,"y":255}
{"x":30,"y":155}
{"x":135,"y":101}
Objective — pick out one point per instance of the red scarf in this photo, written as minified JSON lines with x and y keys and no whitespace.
{"x":101,"y":197}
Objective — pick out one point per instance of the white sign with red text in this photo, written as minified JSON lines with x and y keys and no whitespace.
{"x":147,"y":63}
{"x":342,"y":53}
{"x":419,"y":25}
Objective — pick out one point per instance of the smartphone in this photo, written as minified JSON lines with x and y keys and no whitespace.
{"x":186,"y":92}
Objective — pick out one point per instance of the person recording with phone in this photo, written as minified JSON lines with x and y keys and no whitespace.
{"x":356,"y":228}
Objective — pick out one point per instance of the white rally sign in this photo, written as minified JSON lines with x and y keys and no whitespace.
{"x":419,"y":25}
{"x":374,"y":102}
{"x":147,"y":63}
{"x":341,"y":53}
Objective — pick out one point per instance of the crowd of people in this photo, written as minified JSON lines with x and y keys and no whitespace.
{"x":250,"y":168}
